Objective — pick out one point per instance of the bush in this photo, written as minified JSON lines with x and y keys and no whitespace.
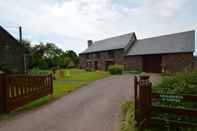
{"x":179,"y":83}
{"x":115,"y":69}
{"x":37,"y":71}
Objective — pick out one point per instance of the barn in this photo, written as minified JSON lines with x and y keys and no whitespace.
{"x":11,"y":53}
{"x":171,"y":52}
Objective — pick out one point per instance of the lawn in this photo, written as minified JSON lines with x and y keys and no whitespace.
{"x":82,"y":75}
{"x":73,"y":79}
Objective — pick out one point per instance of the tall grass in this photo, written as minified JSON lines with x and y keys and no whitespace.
{"x":127,"y":117}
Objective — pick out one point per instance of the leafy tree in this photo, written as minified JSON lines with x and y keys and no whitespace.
{"x":71,"y":54}
{"x":45,"y":56}
{"x":27,"y":46}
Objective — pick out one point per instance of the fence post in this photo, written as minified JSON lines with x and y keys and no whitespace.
{"x":51,"y":83}
{"x":2,"y":104}
{"x":5,"y":93}
{"x":6,"y":90}
{"x":145,"y":97}
{"x":136,"y":97}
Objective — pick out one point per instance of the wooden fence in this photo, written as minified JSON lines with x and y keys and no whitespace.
{"x":144,"y":107}
{"x":17,"y":90}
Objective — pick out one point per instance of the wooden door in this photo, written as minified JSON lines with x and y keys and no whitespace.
{"x":96,"y":65}
{"x":152,"y":63}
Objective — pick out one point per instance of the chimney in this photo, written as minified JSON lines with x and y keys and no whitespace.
{"x":90,"y":42}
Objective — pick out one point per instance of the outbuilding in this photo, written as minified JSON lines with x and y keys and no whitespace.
{"x":172,"y":52}
{"x":11,"y":53}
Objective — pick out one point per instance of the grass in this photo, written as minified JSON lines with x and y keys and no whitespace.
{"x":74,"y":80}
{"x":62,"y":86}
{"x":82,"y":75}
{"x":127,"y":117}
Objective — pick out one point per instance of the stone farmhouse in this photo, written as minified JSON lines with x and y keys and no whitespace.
{"x":172,"y":52}
{"x":11,"y":53}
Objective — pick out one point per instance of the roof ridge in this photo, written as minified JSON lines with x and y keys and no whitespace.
{"x":9,"y":34}
{"x":115,"y":36}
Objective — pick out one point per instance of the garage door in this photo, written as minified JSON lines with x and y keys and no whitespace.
{"x":152,"y":63}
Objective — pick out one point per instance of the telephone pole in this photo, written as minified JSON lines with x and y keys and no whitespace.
{"x":20,"y":34}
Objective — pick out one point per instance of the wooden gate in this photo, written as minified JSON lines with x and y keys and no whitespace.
{"x":17,"y":90}
{"x":145,"y":109}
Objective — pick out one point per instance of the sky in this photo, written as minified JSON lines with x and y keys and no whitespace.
{"x":70,"y":23}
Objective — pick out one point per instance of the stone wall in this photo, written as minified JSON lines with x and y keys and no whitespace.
{"x":133,"y":63}
{"x":104,"y":57}
{"x":177,"y":62}
{"x":82,"y":61}
{"x":169,"y":62}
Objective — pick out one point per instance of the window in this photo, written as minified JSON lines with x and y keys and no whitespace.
{"x":110,"y":54}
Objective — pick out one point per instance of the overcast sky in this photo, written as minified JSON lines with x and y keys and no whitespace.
{"x":70,"y":23}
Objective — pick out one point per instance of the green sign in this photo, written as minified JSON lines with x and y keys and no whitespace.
{"x":171,"y":98}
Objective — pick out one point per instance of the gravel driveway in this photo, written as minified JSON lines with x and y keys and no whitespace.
{"x":95,"y":107}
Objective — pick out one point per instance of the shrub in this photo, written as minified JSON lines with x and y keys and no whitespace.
{"x":115,"y":69}
{"x":37,"y":71}
{"x":182,"y":83}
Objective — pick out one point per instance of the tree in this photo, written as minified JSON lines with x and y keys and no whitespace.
{"x":73,"y":56}
{"x":48,"y":55}
{"x":27,"y":46}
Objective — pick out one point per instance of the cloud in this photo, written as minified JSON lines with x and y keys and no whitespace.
{"x":162,"y":7}
{"x":70,"y":23}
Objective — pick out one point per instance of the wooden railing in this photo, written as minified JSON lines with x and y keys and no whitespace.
{"x":144,"y":107}
{"x":17,"y":90}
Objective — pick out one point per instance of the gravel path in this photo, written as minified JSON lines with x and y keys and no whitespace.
{"x":95,"y":107}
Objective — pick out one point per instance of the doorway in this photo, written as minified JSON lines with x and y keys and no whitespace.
{"x":152,"y":63}
{"x":96,"y":65}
